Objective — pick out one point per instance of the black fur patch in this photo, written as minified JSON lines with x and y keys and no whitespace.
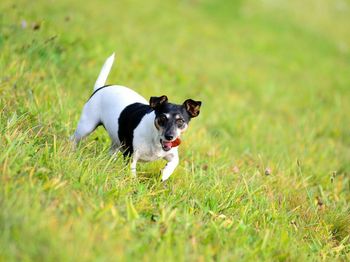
{"x":128,"y":120}
{"x":98,"y":89}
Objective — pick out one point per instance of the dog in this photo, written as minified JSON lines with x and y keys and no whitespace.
{"x":141,"y":130}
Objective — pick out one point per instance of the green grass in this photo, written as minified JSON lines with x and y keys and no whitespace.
{"x":275,"y":84}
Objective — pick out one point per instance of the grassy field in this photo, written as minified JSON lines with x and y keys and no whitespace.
{"x":264,"y":170}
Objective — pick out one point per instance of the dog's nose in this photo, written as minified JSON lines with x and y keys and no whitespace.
{"x":167,"y":137}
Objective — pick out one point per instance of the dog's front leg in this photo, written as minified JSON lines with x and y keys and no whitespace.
{"x":133,"y":165}
{"x":173,"y":161}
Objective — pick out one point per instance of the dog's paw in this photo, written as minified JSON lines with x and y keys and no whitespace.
{"x":165,"y":175}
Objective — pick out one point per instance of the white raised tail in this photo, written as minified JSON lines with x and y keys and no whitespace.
{"x":106,"y":68}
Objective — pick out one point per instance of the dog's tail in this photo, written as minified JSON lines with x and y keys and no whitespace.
{"x":102,"y":77}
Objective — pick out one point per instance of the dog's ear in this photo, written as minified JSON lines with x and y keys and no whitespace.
{"x":192,"y":107}
{"x":156,"y":101}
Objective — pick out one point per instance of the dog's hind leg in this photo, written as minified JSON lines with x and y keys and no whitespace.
{"x":115,"y":147}
{"x":87,"y":124}
{"x":82,"y":131}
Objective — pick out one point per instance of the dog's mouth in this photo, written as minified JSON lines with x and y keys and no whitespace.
{"x":167,"y":145}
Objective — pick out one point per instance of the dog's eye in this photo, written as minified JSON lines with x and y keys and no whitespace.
{"x":162,"y":120}
{"x":180,"y":123}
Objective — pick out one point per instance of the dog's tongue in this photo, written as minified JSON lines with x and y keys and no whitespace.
{"x":174,"y":143}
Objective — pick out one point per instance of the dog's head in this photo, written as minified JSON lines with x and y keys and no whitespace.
{"x":171,"y":119}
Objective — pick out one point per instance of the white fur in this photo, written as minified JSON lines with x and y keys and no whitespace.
{"x":105,"y":107}
{"x":102,"y":77}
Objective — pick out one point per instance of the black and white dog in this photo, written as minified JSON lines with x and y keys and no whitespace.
{"x":141,"y":130}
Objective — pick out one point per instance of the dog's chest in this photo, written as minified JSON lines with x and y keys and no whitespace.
{"x":147,"y":152}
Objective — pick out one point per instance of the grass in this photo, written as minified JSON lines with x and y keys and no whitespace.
{"x":264,"y":171}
